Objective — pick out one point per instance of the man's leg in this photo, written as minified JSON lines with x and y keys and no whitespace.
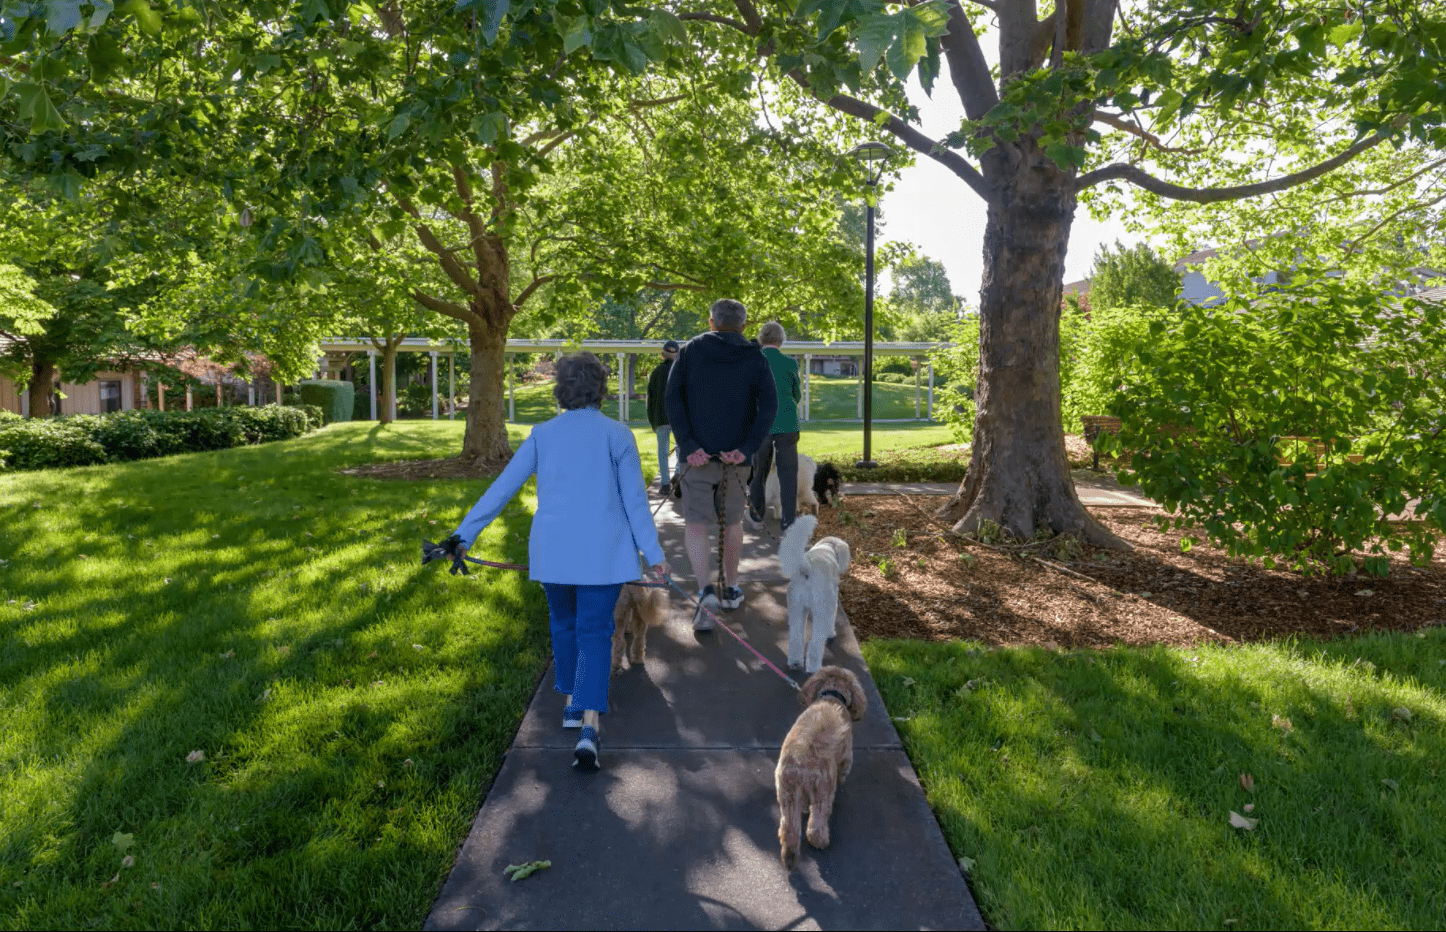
{"x":732,"y":543}
{"x":787,"y":476}
{"x":762,"y":462}
{"x":663,"y":432}
{"x":696,"y":542}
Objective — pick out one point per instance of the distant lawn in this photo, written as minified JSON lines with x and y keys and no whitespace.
{"x":1093,"y":789}
{"x":832,"y":399}
{"x":257,"y":607}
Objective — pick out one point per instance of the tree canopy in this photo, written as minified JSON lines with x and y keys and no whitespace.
{"x":1132,"y":275}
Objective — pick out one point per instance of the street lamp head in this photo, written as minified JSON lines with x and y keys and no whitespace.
{"x":871,"y":151}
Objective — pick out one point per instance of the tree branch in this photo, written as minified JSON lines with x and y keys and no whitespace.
{"x":454,"y":269}
{"x":532,"y":286}
{"x":1134,"y":129}
{"x":1235,"y":192}
{"x":449,"y":308}
{"x":968,"y":71}
{"x":914,"y":140}
{"x":674,"y":286}
{"x":721,"y":20}
{"x":475,"y":228}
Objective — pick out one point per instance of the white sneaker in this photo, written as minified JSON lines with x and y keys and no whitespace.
{"x":702,"y":621}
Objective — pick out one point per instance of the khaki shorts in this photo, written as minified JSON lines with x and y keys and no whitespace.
{"x":700,"y":506}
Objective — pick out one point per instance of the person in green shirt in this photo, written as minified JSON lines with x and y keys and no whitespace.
{"x":782,"y":441}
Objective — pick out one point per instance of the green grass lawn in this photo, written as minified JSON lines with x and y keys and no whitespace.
{"x":832,"y":399}
{"x":1093,"y":789}
{"x":257,"y":607}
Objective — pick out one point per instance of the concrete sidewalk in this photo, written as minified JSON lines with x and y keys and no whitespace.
{"x":679,"y":830}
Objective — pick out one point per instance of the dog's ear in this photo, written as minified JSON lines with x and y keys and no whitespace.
{"x":808,"y":695}
{"x":858,"y":702}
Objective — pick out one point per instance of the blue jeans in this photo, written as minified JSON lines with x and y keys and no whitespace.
{"x":582,"y":641}
{"x":663,"y":432}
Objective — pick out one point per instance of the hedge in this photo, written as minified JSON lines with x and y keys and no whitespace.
{"x":89,"y":439}
{"x":334,"y":397}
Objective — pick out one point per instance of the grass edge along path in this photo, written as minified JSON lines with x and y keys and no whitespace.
{"x":232,"y":697}
{"x":1094,"y":789}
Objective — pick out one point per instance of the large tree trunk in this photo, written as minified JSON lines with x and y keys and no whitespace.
{"x":42,"y":389}
{"x":1018,"y":474}
{"x":485,"y":446}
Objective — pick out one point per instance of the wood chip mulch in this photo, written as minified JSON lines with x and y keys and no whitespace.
{"x":1154,"y":594}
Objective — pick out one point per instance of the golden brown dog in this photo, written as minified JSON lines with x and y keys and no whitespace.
{"x":816,"y":757}
{"x":638,"y":608}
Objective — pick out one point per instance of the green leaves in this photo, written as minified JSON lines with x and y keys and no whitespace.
{"x":576,"y":34}
{"x":35,"y":105}
{"x":493,"y":12}
{"x":900,"y":39}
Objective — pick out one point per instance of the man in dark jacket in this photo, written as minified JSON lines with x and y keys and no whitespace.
{"x":721,"y":404}
{"x":658,"y":409}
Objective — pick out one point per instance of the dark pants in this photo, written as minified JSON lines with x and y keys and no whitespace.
{"x":786,"y":447}
{"x":582,"y":641}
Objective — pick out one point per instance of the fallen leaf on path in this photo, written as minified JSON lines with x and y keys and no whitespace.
{"x":967,"y":864}
{"x":113,"y":880}
{"x":122,"y":840}
{"x":1247,"y":783}
{"x":195,"y":757}
{"x":1239,"y":821}
{"x":1250,"y":807}
{"x":1403,"y":713}
{"x":128,"y":861}
{"x":1366,"y":592}
{"x":520,"y":871}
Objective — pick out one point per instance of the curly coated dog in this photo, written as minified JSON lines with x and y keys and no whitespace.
{"x":638,"y":608}
{"x":813,"y":577}
{"x":816,"y":758}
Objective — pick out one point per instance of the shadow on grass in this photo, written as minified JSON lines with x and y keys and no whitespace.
{"x":352,"y":707}
{"x":1095,"y":788}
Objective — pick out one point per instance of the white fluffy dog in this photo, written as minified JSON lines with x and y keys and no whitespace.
{"x":813,"y":577}
{"x":772,"y":500}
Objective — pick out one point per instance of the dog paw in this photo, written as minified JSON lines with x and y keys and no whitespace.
{"x":795,"y":665}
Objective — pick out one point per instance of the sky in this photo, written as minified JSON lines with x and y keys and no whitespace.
{"x":935,"y":210}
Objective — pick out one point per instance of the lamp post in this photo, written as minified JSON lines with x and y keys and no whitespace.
{"x":869,"y":152}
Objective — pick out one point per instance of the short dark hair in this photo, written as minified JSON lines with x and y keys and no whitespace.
{"x":728,"y":314}
{"x":671,"y":346}
{"x":581,"y":381}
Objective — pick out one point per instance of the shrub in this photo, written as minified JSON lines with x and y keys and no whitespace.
{"x":899,"y":365}
{"x":893,"y":377}
{"x":335,"y":398}
{"x":311,"y":413}
{"x":361,"y":404}
{"x":44,"y":443}
{"x":9,"y":416}
{"x":1217,"y":394}
{"x":86,"y":439}
{"x":957,"y":372}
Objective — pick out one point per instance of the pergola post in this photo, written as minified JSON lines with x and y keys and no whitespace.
{"x":220,"y":402}
{"x":807,"y":371}
{"x":434,"y":385}
{"x":511,"y":391}
{"x":917,"y":374}
{"x":622,"y":391}
{"x":931,"y":389}
{"x":372,"y":380}
{"x":250,"y":393}
{"x":452,"y":385}
{"x":189,"y":400}
{"x":160,"y":395}
{"x":25,"y":403}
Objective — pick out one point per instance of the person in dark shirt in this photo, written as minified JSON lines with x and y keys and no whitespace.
{"x":721,"y":405}
{"x":658,"y":409}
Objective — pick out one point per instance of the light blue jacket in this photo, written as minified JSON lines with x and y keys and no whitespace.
{"x":592,"y":514}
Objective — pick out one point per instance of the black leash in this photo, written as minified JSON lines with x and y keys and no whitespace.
{"x":450,"y":549}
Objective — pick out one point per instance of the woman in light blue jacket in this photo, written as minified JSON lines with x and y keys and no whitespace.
{"x":592,"y":520}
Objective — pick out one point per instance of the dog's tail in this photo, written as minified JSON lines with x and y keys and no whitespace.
{"x":795,"y":542}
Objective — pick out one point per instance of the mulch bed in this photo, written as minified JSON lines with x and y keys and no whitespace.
{"x":1154,"y":594}
{"x":412,"y":470}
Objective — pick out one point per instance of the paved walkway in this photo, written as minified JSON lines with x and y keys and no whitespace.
{"x":1093,"y":488}
{"x":679,"y":830}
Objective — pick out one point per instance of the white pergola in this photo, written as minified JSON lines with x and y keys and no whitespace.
{"x":625,"y":348}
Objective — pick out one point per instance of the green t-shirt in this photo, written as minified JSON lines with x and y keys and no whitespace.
{"x":790,"y":389}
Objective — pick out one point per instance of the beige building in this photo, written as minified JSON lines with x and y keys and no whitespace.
{"x":108,"y":391}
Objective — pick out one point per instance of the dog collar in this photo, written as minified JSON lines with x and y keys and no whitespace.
{"x":834,"y":694}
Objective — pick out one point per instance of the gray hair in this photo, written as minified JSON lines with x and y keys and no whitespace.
{"x":771,"y":334}
{"x":581,"y":381}
{"x":728,"y":314}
